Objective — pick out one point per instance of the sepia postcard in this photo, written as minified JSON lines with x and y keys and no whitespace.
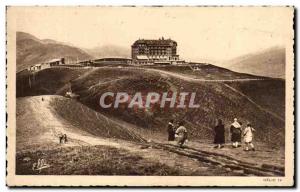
{"x":150,"y":96}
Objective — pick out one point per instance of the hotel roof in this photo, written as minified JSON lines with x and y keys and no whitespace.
{"x":155,"y":42}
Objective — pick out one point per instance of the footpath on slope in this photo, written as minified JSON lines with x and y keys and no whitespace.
{"x":196,"y":157}
{"x":227,"y":159}
{"x":52,"y":125}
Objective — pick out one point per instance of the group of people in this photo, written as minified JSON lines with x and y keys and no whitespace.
{"x":63,"y":138}
{"x":236,"y":133}
{"x":179,"y":133}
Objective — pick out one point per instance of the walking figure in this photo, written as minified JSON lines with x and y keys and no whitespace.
{"x":171,"y":131}
{"x":236,"y":133}
{"x":63,"y":138}
{"x":248,"y":136}
{"x":181,"y":134}
{"x":219,"y":134}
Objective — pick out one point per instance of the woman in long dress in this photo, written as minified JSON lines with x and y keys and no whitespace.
{"x":171,"y":131}
{"x":219,"y":134}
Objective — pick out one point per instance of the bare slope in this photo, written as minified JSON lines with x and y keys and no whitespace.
{"x":40,"y":119}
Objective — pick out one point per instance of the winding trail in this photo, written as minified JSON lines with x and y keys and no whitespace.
{"x":171,"y":74}
{"x":51,"y":126}
{"x":189,"y":159}
{"x":57,"y":126}
{"x":192,"y":79}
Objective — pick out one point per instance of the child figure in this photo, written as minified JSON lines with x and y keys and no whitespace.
{"x":248,"y":136}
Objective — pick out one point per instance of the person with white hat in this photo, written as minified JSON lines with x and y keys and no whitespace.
{"x":248,"y":136}
{"x":236,"y":132}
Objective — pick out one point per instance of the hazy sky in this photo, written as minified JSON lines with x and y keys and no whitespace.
{"x":202,"y":33}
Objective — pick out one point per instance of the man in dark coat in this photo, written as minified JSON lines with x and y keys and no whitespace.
{"x":171,"y":131}
{"x":219,"y":134}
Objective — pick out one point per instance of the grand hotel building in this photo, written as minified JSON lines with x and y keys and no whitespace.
{"x":148,"y":51}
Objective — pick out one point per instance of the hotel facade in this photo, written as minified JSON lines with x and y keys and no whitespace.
{"x":161,"y":51}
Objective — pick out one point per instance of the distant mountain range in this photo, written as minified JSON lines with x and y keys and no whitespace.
{"x":31,"y":50}
{"x":270,"y":63}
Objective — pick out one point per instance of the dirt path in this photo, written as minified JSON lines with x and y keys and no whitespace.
{"x":52,"y":126}
{"x":193,"y":79}
{"x":173,"y":74}
{"x":58,"y":126}
{"x":226,"y":161}
{"x":190,"y":160}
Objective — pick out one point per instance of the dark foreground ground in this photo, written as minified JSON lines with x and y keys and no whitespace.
{"x":105,"y":160}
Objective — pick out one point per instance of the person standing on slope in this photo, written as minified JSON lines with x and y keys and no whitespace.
{"x":248,"y":136}
{"x":181,"y":134}
{"x":171,"y":131}
{"x":236,"y":132}
{"x":219,"y":134}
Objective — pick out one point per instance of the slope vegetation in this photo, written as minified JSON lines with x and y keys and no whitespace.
{"x":259,"y":101}
{"x":206,"y":72}
{"x":41,"y":119}
{"x":47,"y":81}
{"x":217,"y":100}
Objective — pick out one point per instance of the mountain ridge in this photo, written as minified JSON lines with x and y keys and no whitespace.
{"x":269,"y":62}
{"x":32,"y":50}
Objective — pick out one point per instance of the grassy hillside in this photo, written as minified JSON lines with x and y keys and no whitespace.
{"x":40,"y":119}
{"x":260,"y":102}
{"x":31,"y":50}
{"x":217,"y":100}
{"x":45,"y":82}
{"x":91,"y":121}
{"x":269,"y":93}
{"x":206,"y":71}
{"x":83,"y":161}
